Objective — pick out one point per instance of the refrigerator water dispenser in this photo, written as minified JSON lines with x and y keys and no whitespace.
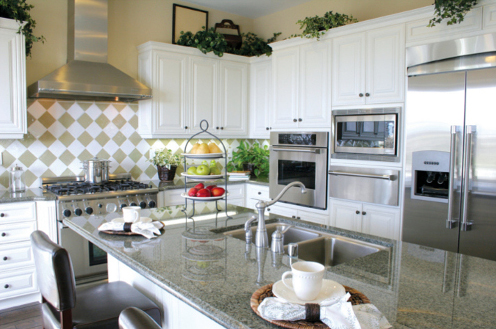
{"x":430,"y":170}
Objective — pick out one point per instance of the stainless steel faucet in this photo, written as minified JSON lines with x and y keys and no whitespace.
{"x":261,"y":238}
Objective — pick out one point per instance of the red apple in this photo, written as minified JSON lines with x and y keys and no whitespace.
{"x":192,"y":191}
{"x":203,"y":193}
{"x":210,"y":187}
{"x":199,"y":186}
{"x":218,"y":191}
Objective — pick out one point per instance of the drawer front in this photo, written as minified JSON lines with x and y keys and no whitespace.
{"x":173,"y":197}
{"x":16,"y":232}
{"x":257,"y":192}
{"x":235,"y":191}
{"x":16,"y":212}
{"x":15,"y":255}
{"x":17,"y":283}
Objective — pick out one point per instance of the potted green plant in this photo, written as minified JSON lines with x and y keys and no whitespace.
{"x":205,"y":40}
{"x":315,"y":27}
{"x":253,"y":45}
{"x":452,"y":10}
{"x":19,"y":10}
{"x":166,"y":163}
{"x":254,"y":158}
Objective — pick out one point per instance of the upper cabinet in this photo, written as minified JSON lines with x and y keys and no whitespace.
{"x":369,"y":67}
{"x":301,"y":86}
{"x":189,"y":87}
{"x":260,"y":97}
{"x":12,"y":81}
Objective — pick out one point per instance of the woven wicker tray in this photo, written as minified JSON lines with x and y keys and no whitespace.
{"x":266,"y":291}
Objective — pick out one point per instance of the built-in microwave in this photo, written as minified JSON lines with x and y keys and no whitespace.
{"x":366,"y":134}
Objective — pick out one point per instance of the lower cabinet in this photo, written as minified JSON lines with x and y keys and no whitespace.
{"x":366,"y":218}
{"x":310,"y":215}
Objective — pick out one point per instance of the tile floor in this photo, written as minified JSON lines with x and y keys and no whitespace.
{"x":23,"y":317}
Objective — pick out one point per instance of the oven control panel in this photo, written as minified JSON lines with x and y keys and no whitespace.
{"x":103,"y":206}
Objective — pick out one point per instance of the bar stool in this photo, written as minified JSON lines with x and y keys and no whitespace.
{"x":97,"y":306}
{"x":134,"y":318}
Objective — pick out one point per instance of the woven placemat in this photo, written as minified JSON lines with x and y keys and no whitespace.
{"x":266,"y":291}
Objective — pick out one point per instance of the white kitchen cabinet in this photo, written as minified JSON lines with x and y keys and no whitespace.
{"x":260,"y":97}
{"x":189,"y":87}
{"x":366,"y":218}
{"x":17,"y":272}
{"x":369,"y":67}
{"x":255,"y":193}
{"x":13,"y":110}
{"x":301,"y":84}
{"x":316,"y":216}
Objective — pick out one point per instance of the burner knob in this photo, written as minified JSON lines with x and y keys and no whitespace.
{"x":123,"y":205}
{"x":143,"y":204}
{"x":78,"y":212}
{"x":133,"y":204}
{"x":89,"y":210}
{"x":152,"y":204}
{"x":100,"y":205}
{"x":66,"y":213}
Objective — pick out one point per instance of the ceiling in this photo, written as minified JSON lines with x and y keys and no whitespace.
{"x":248,"y":8}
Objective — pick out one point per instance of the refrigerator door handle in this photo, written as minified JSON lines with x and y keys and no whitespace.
{"x":466,"y":225}
{"x":450,"y":222}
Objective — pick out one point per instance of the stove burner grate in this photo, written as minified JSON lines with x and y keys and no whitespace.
{"x":78,"y":188}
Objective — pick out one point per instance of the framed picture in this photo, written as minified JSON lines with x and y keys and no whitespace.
{"x":187,"y":19}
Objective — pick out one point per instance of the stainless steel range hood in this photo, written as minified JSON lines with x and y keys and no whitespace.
{"x":87,"y":75}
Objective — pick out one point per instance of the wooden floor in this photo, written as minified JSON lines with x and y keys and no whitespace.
{"x":23,"y":317}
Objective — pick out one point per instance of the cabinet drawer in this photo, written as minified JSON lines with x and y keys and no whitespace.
{"x":16,"y":232}
{"x":172,"y":197}
{"x":16,"y":212}
{"x":236,"y":191}
{"x":17,"y":283}
{"x":257,"y":192}
{"x":313,"y":217}
{"x":15,"y":255}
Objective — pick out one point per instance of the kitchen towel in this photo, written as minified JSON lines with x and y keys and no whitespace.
{"x":149,"y":230}
{"x":334,"y":312}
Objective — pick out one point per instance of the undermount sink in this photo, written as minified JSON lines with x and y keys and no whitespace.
{"x":316,"y":246}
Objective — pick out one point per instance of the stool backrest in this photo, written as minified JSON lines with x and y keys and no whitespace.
{"x":55,"y":274}
{"x":134,"y":318}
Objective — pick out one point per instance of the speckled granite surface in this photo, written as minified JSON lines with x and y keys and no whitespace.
{"x":414,"y":286}
{"x":35,"y":194}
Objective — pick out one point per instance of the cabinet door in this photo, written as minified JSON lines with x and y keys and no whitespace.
{"x":232,"y":117}
{"x":281,"y":209}
{"x":203,"y":91}
{"x":381,"y":221}
{"x":285,"y":67}
{"x":313,"y":217}
{"x":385,"y":75}
{"x":169,"y":103}
{"x":12,"y":81}
{"x":346,"y":215}
{"x":348,"y":70}
{"x":314,"y":90}
{"x":260,"y":97}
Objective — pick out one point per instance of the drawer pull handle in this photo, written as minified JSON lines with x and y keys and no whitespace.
{"x":358,"y":212}
{"x":364,"y":213}
{"x":5,"y":258}
{"x":4,"y":234}
{"x":259,"y":193}
{"x":7,"y":286}
{"x":2,"y":215}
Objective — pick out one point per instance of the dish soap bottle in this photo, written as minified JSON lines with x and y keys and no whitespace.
{"x":17,"y":179}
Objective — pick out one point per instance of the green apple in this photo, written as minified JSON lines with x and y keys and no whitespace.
{"x":214,"y":171}
{"x":192,"y":171}
{"x":202,"y":170}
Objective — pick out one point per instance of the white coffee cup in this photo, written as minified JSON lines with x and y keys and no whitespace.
{"x":131,"y":214}
{"x":307,"y":279}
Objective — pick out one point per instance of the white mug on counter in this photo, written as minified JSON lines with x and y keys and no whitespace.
{"x":131,"y":214}
{"x":307,"y":279}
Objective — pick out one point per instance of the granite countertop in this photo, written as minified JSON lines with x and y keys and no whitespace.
{"x":413,"y":286}
{"x":34,"y":194}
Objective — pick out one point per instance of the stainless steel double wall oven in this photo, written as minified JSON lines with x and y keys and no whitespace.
{"x":300,"y":157}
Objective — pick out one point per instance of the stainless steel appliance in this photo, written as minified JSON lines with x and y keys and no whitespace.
{"x":76,"y":197}
{"x":371,"y":185}
{"x":300,"y":157}
{"x":366,"y":134}
{"x":450,"y":170}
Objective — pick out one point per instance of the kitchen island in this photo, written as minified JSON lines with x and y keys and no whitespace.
{"x":414,"y":286}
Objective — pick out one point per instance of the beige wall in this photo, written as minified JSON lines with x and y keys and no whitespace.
{"x":131,"y":23}
{"x":285,"y":21}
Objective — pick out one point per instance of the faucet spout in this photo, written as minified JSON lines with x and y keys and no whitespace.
{"x":284,"y":190}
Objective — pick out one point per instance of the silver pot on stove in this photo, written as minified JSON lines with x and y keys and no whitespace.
{"x":96,"y":170}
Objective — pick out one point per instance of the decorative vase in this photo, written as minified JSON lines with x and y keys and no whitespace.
{"x":249,"y":167}
{"x":165,"y":174}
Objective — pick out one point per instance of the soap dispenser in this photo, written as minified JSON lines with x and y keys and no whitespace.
{"x":17,"y":179}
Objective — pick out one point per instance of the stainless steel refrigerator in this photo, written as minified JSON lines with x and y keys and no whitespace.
{"x":450,"y":173}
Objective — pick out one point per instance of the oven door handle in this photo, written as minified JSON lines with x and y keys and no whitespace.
{"x":342,"y":173}
{"x":299,"y":149}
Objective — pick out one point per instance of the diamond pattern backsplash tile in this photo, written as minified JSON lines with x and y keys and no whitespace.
{"x":61,"y":134}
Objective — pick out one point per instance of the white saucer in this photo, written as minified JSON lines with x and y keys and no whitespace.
{"x":329,"y":289}
{"x":142,"y":220}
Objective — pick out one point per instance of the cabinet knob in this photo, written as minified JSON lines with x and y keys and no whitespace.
{"x":221,"y":128}
{"x":4,"y":234}
{"x":294,"y":120}
{"x":2,"y":215}
{"x":298,"y":217}
{"x":5,"y":258}
{"x":185,"y":127}
{"x":259,"y":193}
{"x":266,"y":128}
{"x":300,"y":119}
{"x":7,"y":286}
{"x":367,"y":94}
{"x":364,"y":213}
{"x":268,"y":209}
{"x":217,"y":128}
{"x":358,"y":212}
{"x":360,"y":95}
